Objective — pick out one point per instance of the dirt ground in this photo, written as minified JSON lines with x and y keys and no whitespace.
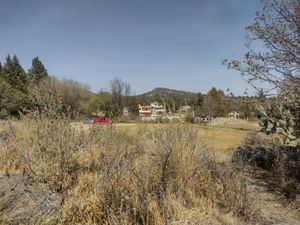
{"x":24,"y":202}
{"x":273,"y":205}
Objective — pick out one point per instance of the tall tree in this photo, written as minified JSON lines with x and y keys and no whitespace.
{"x":214,"y":102}
{"x":276,"y":31}
{"x":100,"y":102}
{"x":14,"y":74}
{"x":120,"y":91}
{"x":7,"y":68}
{"x":37,"y":70}
{"x":197,"y":104}
{"x":133,"y":105}
{"x":59,"y":96}
{"x":11,"y":100}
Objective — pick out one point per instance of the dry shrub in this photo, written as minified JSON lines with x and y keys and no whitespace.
{"x":10,"y":156}
{"x":188,"y":172}
{"x":255,"y":137}
{"x":46,"y":150}
{"x":283,"y":174}
{"x":109,"y":177}
{"x":151,"y":179}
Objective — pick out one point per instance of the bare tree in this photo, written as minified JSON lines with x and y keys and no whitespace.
{"x":120,"y":90}
{"x":53,"y":95}
{"x":276,"y":57}
{"x":273,"y":57}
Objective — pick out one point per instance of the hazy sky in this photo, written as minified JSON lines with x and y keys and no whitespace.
{"x":177,"y":44}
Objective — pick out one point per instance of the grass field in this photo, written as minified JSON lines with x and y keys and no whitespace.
{"x":222,"y":137}
{"x":217,"y":138}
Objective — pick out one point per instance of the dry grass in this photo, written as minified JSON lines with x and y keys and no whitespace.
{"x":108,"y":175}
{"x":223,"y":138}
{"x":216,"y":138}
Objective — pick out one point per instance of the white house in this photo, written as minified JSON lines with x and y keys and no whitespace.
{"x":157,"y":109}
{"x":125,"y":111}
{"x":185,"y":108}
{"x":234,"y":114}
{"x":152,"y":110}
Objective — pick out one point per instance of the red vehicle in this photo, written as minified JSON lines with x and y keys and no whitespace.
{"x":103,"y":120}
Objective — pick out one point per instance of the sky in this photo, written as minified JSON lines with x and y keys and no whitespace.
{"x":177,"y":44}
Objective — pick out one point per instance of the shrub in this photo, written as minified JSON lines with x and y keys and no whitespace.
{"x":190,"y":118}
{"x":254,"y":137}
{"x":109,"y":177}
{"x":166,"y":120}
{"x":285,"y":164}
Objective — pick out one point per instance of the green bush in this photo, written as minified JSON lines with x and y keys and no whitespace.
{"x":190,"y":118}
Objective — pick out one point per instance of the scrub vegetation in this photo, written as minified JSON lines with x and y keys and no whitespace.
{"x":105,"y":176}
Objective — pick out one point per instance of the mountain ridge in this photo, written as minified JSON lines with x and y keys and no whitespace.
{"x":162,"y":91}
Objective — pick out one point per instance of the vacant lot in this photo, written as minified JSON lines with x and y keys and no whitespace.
{"x":220,"y":137}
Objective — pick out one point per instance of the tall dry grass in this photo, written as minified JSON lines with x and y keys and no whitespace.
{"x":157,"y":176}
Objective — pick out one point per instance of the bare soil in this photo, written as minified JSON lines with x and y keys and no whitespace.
{"x":24,"y":202}
{"x":273,"y":205}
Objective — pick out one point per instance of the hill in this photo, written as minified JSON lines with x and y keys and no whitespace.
{"x":168,"y":93}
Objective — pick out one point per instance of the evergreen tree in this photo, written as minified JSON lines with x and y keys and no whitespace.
{"x":11,"y":100}
{"x":198,"y":105}
{"x":133,"y":105}
{"x":1,"y":73}
{"x":37,"y":70}
{"x":14,"y":74}
{"x":7,"y":68}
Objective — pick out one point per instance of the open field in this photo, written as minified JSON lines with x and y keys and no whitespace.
{"x":218,"y":138}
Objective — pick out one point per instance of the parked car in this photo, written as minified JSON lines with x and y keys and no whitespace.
{"x":103,"y":120}
{"x":88,"y":121}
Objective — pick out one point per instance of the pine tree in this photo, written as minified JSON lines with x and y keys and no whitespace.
{"x":1,"y":75}
{"x":11,"y":100}
{"x":37,"y":71}
{"x":14,"y":74}
{"x":7,"y":68}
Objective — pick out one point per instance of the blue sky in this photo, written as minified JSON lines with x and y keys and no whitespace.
{"x":177,"y":44}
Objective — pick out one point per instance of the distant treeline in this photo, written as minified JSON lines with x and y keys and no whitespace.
{"x":21,"y":91}
{"x":215,"y":103}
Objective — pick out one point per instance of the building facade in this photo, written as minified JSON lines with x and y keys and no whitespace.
{"x":152,"y":110}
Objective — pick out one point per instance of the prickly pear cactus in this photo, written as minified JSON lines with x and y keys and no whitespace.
{"x":282,"y":115}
